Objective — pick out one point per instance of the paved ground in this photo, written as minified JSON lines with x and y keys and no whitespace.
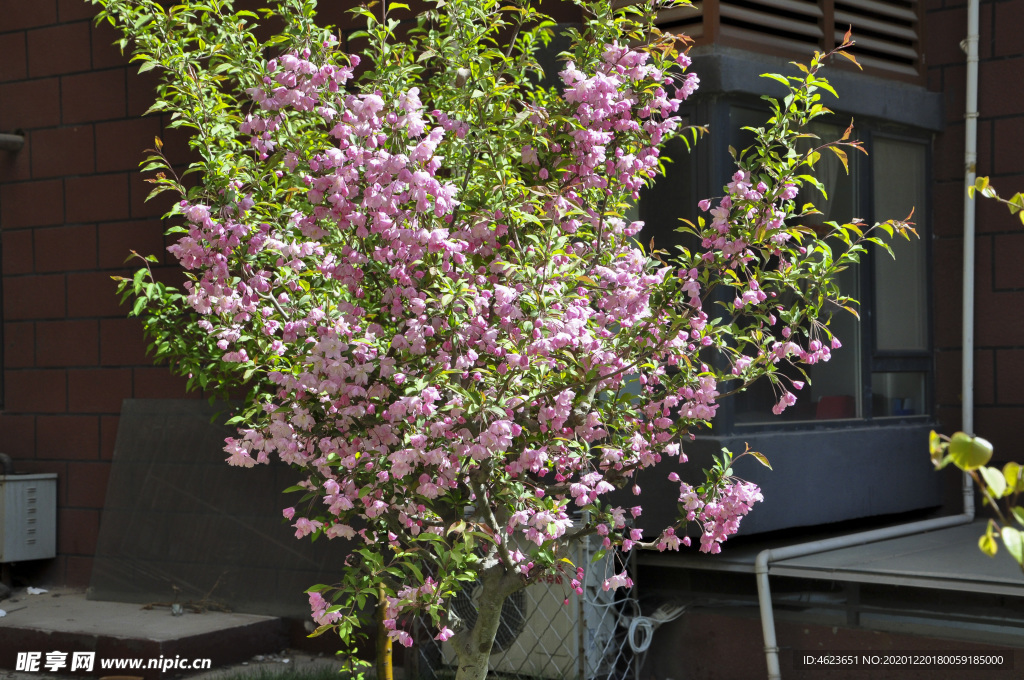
{"x":65,"y":620}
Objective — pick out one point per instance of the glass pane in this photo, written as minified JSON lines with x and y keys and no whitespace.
{"x":900,"y":294}
{"x":897,"y":394}
{"x":833,"y":389}
{"x":671,"y":198}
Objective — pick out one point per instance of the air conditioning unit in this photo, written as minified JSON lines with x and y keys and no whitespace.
{"x":28,"y":517}
{"x":542,"y":636}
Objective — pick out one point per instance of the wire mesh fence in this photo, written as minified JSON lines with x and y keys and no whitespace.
{"x":547,"y":631}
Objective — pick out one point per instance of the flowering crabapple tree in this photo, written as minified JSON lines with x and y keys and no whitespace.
{"x":417,"y":260}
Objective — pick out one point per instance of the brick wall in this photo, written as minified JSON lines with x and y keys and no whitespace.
{"x":71,"y":209}
{"x":999,"y":355}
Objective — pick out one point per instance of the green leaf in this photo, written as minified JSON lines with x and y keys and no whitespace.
{"x":842,"y":157}
{"x":777,"y":77}
{"x":1018,"y":514}
{"x":994,"y":480}
{"x":988,"y":545}
{"x":969,"y":453}
{"x":1014,"y":475}
{"x":1014,"y":542}
{"x":761,"y":458}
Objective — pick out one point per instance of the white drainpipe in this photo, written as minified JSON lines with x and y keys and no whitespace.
{"x":765,"y":557}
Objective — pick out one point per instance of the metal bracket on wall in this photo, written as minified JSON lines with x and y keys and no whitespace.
{"x":13,"y":143}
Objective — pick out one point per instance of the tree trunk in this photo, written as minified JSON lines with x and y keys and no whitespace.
{"x":473,"y":645}
{"x":385,"y":668}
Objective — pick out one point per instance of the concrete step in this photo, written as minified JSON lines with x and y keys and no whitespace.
{"x":65,"y":621}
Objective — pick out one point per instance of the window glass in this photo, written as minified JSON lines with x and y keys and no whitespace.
{"x":833,"y":389}
{"x":898,"y":394}
{"x":900,"y":283}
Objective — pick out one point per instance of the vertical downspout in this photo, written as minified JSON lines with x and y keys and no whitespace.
{"x":970,"y":174}
{"x":765,"y":557}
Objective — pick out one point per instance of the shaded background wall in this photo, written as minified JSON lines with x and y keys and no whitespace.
{"x":999,"y":355}
{"x":72,"y":207}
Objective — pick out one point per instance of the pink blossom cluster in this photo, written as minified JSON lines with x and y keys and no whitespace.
{"x":400,"y":329}
{"x":608,"y":104}
{"x":718,"y":513}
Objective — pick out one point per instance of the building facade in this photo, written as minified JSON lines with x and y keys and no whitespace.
{"x":72,"y":208}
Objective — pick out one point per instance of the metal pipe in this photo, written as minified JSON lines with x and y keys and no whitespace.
{"x":11,"y":142}
{"x":765,"y":557}
{"x":764,"y":595}
{"x":970,"y":175}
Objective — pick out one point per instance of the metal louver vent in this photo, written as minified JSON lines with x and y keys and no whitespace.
{"x":886,"y":32}
{"x":790,"y":25}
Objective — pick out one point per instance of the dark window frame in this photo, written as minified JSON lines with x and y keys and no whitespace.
{"x":711,"y":168}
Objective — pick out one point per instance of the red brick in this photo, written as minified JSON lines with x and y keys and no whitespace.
{"x":156,"y":206}
{"x":31,"y":204}
{"x":13,"y":65}
{"x":17,"y":167}
{"x":122,"y":343}
{"x":34,"y":297}
{"x":79,"y":571}
{"x":986,"y":142}
{"x":934,"y":79}
{"x":72,"y":10}
{"x":1008,"y":270}
{"x":20,"y":14}
{"x":948,"y":156}
{"x":176,"y":146}
{"x":65,"y":248}
{"x":948,"y":216}
{"x":122,"y":145}
{"x":984,"y":377}
{"x":67,"y":343}
{"x":947,"y":419}
{"x":19,"y":344}
{"x":48,"y":571}
{"x":108,"y":436}
{"x":59,"y":49}
{"x":1009,"y":377}
{"x":77,"y":530}
{"x":141,"y":90}
{"x":60,"y":468}
{"x":996,"y":320}
{"x":97,"y":198}
{"x":954,"y":93}
{"x":99,"y":390}
{"x":158,"y":382}
{"x":993,"y":216}
{"x":998,"y":94}
{"x":35,"y":391}
{"x":1001,"y":426}
{"x":62,"y":151}
{"x":17,"y":247}
{"x":117,"y":240}
{"x":18,"y":438}
{"x":30,"y":104}
{"x":1009,"y":28}
{"x":92,"y":97}
{"x":944,"y":30}
{"x":105,"y":54}
{"x":1009,"y":152}
{"x":947,"y":278}
{"x":68,"y":437}
{"x":93,"y":294}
